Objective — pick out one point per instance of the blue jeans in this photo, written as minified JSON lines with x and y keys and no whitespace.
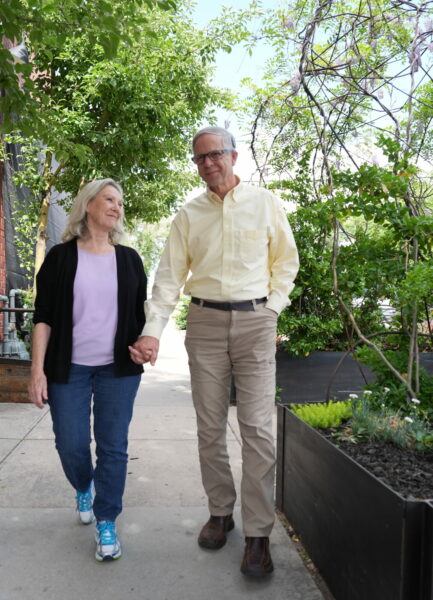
{"x":113,"y":401}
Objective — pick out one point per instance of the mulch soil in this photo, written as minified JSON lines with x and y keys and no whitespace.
{"x":408,"y":472}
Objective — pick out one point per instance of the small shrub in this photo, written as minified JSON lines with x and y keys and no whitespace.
{"x":323,"y":415}
{"x":368,"y":424}
{"x":396,"y":392}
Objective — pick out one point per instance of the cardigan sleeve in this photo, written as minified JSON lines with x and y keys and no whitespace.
{"x":141,"y":293}
{"x":45,"y":285}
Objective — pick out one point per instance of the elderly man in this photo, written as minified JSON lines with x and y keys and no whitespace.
{"x":235,"y":244}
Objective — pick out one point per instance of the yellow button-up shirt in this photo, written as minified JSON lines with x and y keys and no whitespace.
{"x":233,"y":250}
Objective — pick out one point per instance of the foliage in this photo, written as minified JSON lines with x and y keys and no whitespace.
{"x":45,"y":27}
{"x":120,"y":102}
{"x":24,"y":217}
{"x":370,"y":424}
{"x":386,"y":389}
{"x":181,"y":312}
{"x":346,"y":136}
{"x":148,"y":239}
{"x":131,"y":115}
{"x":323,"y":415}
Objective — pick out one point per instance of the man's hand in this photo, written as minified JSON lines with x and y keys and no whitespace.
{"x":144,"y":350}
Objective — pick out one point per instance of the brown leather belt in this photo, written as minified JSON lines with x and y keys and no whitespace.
{"x":244,"y":305}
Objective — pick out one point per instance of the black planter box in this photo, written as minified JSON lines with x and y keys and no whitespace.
{"x":323,"y":375}
{"x":305,"y":379}
{"x":367,"y":541}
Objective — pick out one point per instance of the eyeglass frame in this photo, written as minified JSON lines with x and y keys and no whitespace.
{"x":199,"y":159}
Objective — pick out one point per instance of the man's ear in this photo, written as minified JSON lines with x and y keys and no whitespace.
{"x":234,"y":157}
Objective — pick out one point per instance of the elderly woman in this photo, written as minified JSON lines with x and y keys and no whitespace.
{"x":89,"y":309}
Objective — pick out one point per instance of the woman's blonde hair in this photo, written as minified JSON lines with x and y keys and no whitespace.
{"x":76,"y":226}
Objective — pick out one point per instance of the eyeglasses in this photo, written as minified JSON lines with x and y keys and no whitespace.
{"x":215,"y":155}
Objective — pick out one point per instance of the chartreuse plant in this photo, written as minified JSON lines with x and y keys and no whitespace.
{"x":323,"y":415}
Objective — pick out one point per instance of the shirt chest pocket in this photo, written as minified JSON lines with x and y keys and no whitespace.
{"x":251,"y":244}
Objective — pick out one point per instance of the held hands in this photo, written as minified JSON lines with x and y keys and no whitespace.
{"x":38,"y":388}
{"x":144,"y":350}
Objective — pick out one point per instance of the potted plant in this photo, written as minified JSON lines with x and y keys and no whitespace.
{"x":366,"y":539}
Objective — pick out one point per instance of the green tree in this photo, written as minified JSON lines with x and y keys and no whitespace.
{"x":129,"y":116}
{"x":45,"y":26}
{"x":343,"y":126}
{"x":149,"y":239}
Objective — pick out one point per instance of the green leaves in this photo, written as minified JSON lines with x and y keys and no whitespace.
{"x":46,"y":26}
{"x":417,"y":286}
{"x":324,"y":414}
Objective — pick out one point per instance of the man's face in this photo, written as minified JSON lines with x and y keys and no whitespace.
{"x":215,"y":173}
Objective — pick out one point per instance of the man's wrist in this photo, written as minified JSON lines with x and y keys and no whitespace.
{"x":151,"y":330}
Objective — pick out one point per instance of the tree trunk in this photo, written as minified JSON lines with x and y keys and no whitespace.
{"x":41,"y":235}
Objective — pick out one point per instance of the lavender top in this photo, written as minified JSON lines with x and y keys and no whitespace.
{"x":94,"y":314}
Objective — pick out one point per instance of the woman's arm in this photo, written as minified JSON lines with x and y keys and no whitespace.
{"x":38,"y":381}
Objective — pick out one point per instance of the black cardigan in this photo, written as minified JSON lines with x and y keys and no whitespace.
{"x":53,"y":306}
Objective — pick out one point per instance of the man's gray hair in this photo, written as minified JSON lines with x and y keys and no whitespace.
{"x":76,"y":226}
{"x":227,"y":138}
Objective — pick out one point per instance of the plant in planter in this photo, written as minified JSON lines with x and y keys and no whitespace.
{"x":366,"y":539}
{"x":330,"y":414}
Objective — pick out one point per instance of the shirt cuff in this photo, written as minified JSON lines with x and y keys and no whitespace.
{"x":275,"y":303}
{"x":153,"y":329}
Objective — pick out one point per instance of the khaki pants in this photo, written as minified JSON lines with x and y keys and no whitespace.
{"x":239,"y":343}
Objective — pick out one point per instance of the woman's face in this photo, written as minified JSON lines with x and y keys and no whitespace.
{"x":105,"y":209}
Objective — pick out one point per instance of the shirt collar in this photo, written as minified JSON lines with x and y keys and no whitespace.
{"x":233,"y":193}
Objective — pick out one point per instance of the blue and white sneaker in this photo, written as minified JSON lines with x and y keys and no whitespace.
{"x":85,"y":504}
{"x":107,"y":542}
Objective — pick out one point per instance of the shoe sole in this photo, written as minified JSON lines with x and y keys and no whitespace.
{"x":255,"y":573}
{"x":217,"y":545}
{"x":92,"y":520}
{"x":107,"y":558}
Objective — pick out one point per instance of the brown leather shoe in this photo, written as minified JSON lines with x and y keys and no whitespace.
{"x":257,"y":561}
{"x":213,"y":534}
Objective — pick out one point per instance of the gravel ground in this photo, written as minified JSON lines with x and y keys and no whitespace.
{"x":408,"y":472}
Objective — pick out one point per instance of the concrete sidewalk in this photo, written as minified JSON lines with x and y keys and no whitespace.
{"x":46,"y":554}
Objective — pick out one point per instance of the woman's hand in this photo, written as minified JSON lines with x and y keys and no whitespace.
{"x":38,"y":388}
{"x":38,"y":393}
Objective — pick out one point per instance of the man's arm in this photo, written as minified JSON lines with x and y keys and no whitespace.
{"x":283,"y":261}
{"x":170,"y":277}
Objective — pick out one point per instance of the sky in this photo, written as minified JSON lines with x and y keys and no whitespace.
{"x":230,"y":70}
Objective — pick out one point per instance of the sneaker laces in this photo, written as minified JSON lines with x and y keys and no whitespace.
{"x":107,"y":533}
{"x":84,"y":501}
